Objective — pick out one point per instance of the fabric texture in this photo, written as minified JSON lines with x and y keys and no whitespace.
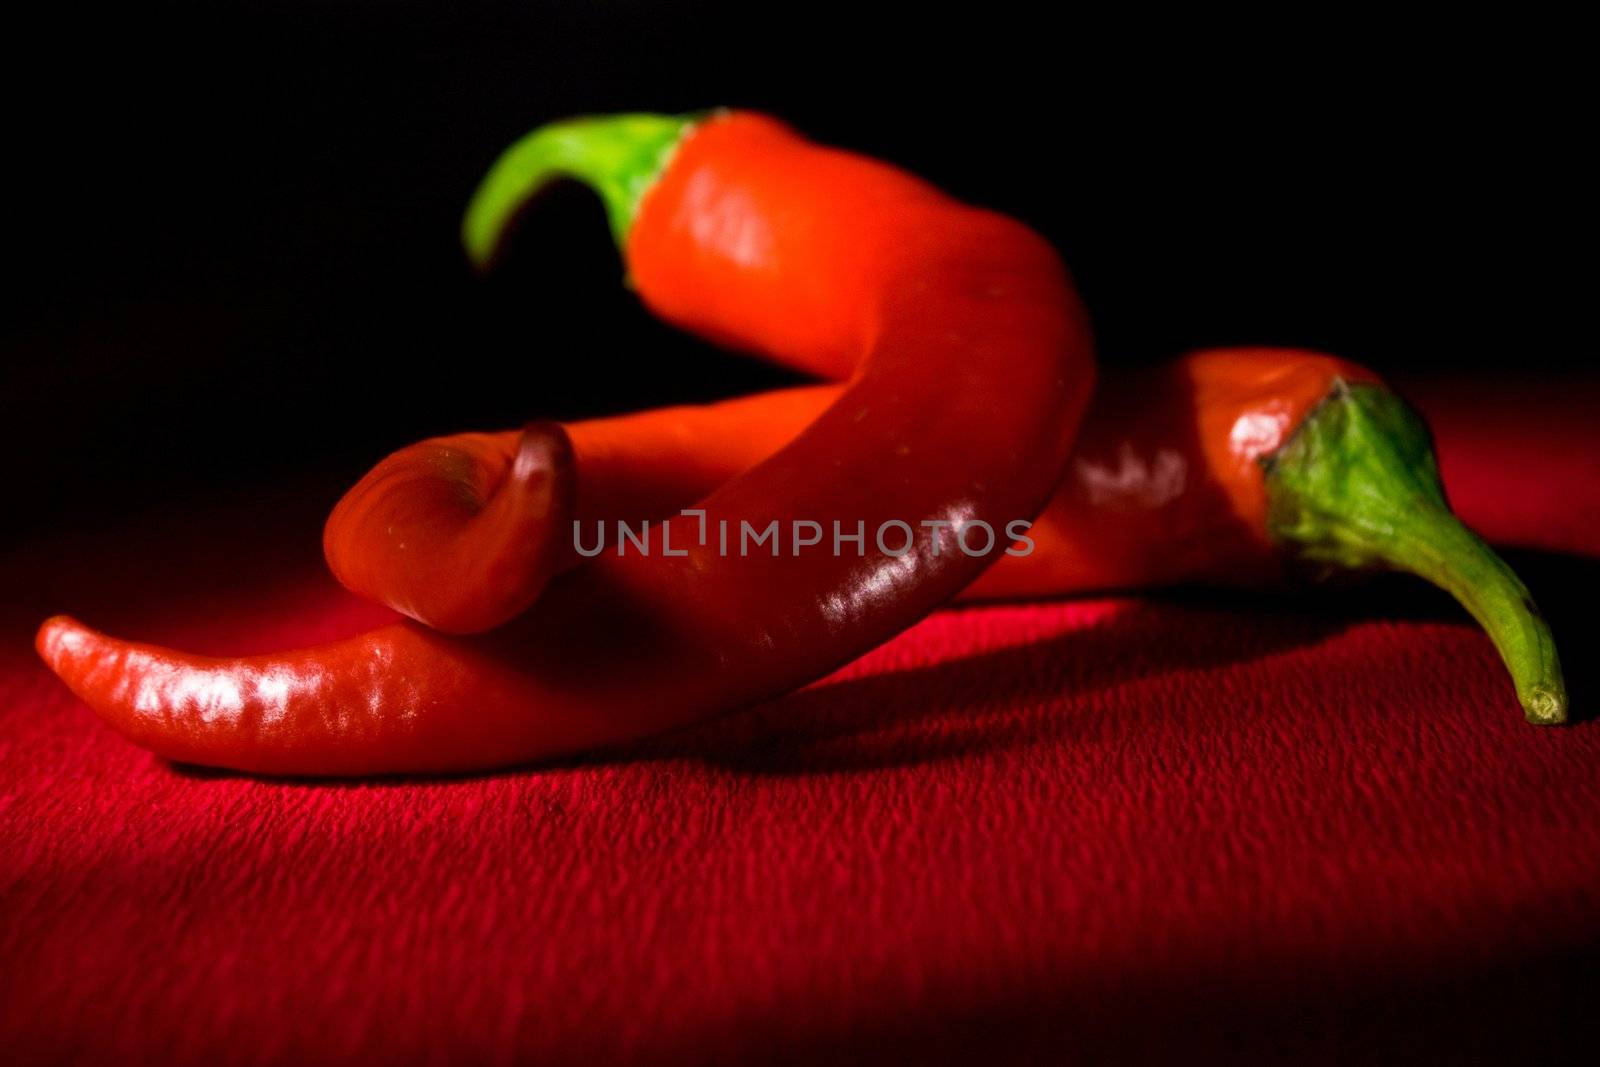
{"x":1192,"y":826}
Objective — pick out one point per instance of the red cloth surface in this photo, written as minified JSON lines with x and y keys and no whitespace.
{"x":1197,"y":826}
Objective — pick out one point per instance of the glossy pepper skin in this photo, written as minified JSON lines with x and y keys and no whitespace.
{"x":1166,"y":483}
{"x":969,"y":364}
{"x":1198,"y":471}
{"x":463,"y":532}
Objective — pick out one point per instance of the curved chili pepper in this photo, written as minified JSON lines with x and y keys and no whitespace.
{"x":971,"y":366}
{"x":1219,"y":467}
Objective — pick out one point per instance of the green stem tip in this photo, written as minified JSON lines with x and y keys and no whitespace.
{"x":1357,"y":486}
{"x":618,"y":156}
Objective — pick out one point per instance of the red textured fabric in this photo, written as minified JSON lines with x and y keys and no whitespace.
{"x":1198,"y":827}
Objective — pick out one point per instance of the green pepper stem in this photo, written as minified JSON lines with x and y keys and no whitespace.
{"x":1357,"y":486}
{"x":618,"y":156}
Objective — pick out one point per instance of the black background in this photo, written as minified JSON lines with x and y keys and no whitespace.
{"x":233,"y":232}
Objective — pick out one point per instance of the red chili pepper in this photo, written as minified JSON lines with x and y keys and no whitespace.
{"x":1220,"y":467}
{"x":970,"y":364}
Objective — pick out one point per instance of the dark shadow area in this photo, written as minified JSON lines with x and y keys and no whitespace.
{"x":994,"y":700}
{"x":886,"y":720}
{"x":1527,"y":1006}
{"x":236,"y":225}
